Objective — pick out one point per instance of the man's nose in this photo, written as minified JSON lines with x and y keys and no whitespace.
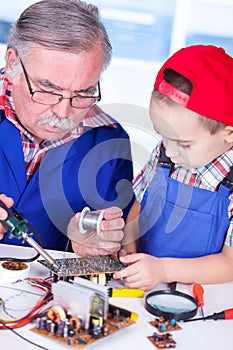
{"x":63,"y":109}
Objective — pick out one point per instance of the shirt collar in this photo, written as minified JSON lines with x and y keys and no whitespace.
{"x":213,"y":173}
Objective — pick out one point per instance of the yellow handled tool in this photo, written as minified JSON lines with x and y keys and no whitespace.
{"x":125,"y":292}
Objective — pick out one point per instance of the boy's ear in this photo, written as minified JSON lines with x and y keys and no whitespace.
{"x":228,"y":133}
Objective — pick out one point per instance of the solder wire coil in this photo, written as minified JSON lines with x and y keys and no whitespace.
{"x":90,"y":221}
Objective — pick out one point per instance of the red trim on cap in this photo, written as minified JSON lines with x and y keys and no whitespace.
{"x":210,"y":70}
{"x":173,"y":93}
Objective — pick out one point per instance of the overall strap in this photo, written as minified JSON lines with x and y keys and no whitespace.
{"x":2,"y":116}
{"x":164,"y":161}
{"x":228,"y":180}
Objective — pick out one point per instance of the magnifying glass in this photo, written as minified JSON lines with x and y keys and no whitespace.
{"x":171,"y":304}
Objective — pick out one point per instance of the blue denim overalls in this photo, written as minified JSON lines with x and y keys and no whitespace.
{"x":179,"y":220}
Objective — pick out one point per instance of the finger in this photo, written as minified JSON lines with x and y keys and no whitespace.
{"x":113,"y":224}
{"x":72,"y":229}
{"x":136,"y":284}
{"x":86,"y":250}
{"x":112,"y":213}
{"x":3,"y":214}
{"x":115,"y":256}
{"x":8,"y":201}
{"x":111,"y":236}
{"x":2,"y":231}
{"x":122,"y":273}
{"x":109,"y":246}
{"x":89,"y":238}
{"x":131,"y":270}
{"x":90,"y":250}
{"x":113,"y":250}
{"x":130,"y":258}
{"x":122,"y":252}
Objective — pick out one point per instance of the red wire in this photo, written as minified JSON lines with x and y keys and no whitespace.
{"x":28,"y":318}
{"x":39,"y":283}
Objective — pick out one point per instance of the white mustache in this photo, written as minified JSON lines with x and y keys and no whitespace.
{"x":66,"y":123}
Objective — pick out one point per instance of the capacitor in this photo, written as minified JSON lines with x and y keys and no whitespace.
{"x":38,"y":322}
{"x":48,"y":326}
{"x":43,"y":322}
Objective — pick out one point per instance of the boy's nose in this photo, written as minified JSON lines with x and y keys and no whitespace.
{"x":170,"y":149}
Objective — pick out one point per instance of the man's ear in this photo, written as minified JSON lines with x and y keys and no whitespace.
{"x":11,"y":57}
{"x":228,"y":129}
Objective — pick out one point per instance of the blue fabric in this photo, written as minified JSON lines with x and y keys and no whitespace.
{"x":94,"y":170}
{"x":178,"y":220}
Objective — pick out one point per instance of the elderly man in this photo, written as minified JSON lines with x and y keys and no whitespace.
{"x":59,"y":152}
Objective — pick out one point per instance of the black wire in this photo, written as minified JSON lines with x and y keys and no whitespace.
{"x":22,"y":337}
{"x":7,"y":258}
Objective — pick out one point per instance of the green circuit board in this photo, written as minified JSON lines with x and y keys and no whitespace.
{"x":84,"y":266}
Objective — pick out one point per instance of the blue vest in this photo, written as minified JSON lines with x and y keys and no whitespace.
{"x":179,"y":220}
{"x":94,"y":170}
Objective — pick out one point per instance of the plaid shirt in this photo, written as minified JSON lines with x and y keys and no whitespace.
{"x":207,"y":177}
{"x":33,"y":151}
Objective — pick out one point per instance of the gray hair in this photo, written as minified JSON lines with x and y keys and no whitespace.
{"x":61,"y":25}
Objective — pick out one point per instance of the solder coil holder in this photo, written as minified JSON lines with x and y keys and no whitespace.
{"x":90,"y":221}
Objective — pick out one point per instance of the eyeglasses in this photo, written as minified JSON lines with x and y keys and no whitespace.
{"x":80,"y":100}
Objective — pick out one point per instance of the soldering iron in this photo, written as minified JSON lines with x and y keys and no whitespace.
{"x":18,"y":228}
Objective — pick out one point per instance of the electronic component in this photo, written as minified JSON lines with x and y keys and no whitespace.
{"x":162,"y":341}
{"x":165,"y":325}
{"x":92,"y":266}
{"x":81,"y":314}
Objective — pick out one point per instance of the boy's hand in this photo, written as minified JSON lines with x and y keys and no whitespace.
{"x":144,"y":271}
{"x":3,"y":214}
{"x":107,"y":242}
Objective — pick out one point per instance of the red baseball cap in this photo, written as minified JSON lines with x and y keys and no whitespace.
{"x":210,"y":69}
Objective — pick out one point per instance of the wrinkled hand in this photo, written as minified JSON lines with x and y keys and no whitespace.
{"x":107,"y":242}
{"x":144,"y":271}
{"x":3,"y":214}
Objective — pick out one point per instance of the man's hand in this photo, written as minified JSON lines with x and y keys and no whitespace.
{"x":3,"y":214}
{"x":107,"y":242}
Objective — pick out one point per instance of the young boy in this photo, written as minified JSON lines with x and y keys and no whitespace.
{"x":183,"y":213}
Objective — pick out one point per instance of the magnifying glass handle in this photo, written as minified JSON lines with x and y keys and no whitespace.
{"x":173,"y":286}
